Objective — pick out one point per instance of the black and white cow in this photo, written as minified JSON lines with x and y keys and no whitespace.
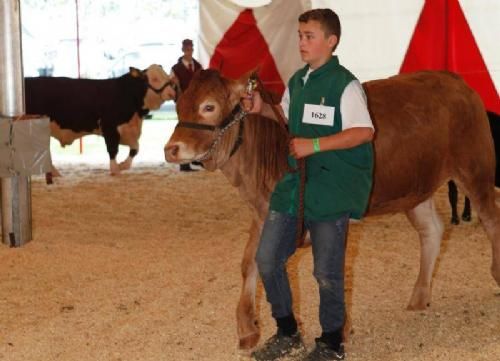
{"x":113,"y":108}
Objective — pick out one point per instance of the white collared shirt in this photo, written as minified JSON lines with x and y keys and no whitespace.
{"x":353,"y":105}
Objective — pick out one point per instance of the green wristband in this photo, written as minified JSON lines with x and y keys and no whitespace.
{"x":316,"y":145}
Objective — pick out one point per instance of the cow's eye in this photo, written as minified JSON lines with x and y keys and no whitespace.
{"x":208,"y":108}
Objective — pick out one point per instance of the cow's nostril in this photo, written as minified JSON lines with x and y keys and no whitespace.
{"x":174,"y":150}
{"x":171,"y":151}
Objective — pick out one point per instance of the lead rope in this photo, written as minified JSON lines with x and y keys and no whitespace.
{"x":301,"y":163}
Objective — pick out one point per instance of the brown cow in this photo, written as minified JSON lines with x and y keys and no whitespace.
{"x":430,"y":127}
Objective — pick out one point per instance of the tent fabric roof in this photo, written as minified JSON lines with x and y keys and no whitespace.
{"x":379,"y":39}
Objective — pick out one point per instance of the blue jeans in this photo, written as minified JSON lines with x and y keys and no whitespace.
{"x":277,"y":244}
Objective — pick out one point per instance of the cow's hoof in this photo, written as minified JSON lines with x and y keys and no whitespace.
{"x":48,"y":178}
{"x":454,"y":220}
{"x":114,"y":168}
{"x":419,"y":306}
{"x":125,"y":165}
{"x":466,"y":217}
{"x":245,"y":354}
{"x":411,"y":307}
{"x":248,"y":343}
{"x":420,"y":298}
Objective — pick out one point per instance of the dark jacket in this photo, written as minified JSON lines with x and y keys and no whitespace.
{"x":184,"y":74}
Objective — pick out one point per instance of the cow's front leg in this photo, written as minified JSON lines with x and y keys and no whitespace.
{"x":127,"y":163}
{"x":248,"y":330}
{"x":129,"y":135}
{"x":112,"y":139}
{"x":50,"y":175}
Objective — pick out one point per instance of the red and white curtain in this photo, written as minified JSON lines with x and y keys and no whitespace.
{"x":380,"y":38}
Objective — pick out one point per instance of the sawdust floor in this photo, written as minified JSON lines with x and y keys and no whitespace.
{"x":145,"y":266}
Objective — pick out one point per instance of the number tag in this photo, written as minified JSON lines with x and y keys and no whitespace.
{"x":318,"y":114}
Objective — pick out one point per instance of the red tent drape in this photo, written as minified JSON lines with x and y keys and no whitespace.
{"x":443,"y":40}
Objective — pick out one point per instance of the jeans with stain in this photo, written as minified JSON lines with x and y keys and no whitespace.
{"x":277,"y":244}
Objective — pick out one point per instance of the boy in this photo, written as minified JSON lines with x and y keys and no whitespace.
{"x":328,"y":118}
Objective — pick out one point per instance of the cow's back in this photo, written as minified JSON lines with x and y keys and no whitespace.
{"x":85,"y":104}
{"x":420,"y":120}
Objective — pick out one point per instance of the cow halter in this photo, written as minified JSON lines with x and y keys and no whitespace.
{"x":237,"y":115}
{"x":158,"y":91}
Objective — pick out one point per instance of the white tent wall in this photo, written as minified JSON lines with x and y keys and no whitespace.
{"x":483,"y":17}
{"x":375,"y":33}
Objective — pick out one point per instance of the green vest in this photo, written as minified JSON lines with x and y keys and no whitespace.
{"x":337,"y":181}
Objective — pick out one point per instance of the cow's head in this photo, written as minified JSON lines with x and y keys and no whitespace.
{"x":209,"y":103}
{"x":160,"y":86}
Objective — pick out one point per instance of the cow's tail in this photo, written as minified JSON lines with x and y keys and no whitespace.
{"x":494,"y":120}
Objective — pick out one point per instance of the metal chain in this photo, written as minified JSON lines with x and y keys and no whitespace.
{"x":222,"y":131}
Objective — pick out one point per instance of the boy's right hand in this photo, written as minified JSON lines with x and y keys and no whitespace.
{"x":252,"y":103}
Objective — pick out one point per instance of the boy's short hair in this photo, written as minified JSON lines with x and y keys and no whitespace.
{"x":327,"y":18}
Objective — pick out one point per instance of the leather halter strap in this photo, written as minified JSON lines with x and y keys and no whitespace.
{"x":209,"y":127}
{"x":160,"y":90}
{"x":237,"y":116}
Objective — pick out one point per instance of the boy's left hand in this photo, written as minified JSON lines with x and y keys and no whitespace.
{"x":301,"y":147}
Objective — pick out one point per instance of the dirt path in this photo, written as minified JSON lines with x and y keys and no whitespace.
{"x":145,"y":266}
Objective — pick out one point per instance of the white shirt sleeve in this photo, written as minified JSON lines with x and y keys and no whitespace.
{"x":354,"y":108}
{"x":285,"y":103}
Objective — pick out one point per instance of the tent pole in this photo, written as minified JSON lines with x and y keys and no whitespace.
{"x":78,"y":56}
{"x":16,"y":190}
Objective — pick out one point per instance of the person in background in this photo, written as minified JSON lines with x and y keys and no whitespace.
{"x":182,"y":73}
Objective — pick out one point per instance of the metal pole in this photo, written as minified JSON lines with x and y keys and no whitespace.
{"x":78,"y":56}
{"x":16,"y":190}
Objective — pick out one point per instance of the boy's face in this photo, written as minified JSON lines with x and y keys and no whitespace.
{"x":315,"y":48}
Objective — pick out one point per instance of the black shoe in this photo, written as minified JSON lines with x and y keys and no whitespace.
{"x":279,"y":346}
{"x":323,"y":352}
{"x":186,"y":168}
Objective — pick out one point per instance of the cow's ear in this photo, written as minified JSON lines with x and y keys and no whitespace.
{"x":136,"y":73}
{"x":240,"y":86}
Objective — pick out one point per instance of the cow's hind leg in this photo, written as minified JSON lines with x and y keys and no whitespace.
{"x":453,"y":198}
{"x":466,"y":215}
{"x":127,"y":163}
{"x":425,"y":220}
{"x":483,"y":199}
{"x":248,"y":331}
